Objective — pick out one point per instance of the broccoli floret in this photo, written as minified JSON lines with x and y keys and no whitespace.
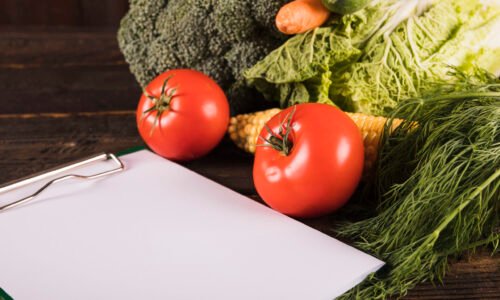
{"x":233,"y":20}
{"x":218,"y":37}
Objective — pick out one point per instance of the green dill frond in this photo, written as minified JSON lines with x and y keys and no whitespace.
{"x":439,"y":179}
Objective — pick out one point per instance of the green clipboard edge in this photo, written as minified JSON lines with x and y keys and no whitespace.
{"x":128,"y":151}
{"x":4,"y":295}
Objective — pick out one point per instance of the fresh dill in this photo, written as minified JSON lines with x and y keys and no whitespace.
{"x":438,"y":185}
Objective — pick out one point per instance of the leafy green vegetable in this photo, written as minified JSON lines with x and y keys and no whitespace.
{"x":301,"y":67}
{"x":219,"y":38}
{"x":389,"y":51}
{"x":439,"y":187}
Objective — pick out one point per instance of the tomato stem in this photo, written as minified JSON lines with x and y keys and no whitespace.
{"x":281,"y":141}
{"x":160,"y":103}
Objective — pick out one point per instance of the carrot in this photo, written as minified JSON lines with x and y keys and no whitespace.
{"x":301,"y":15}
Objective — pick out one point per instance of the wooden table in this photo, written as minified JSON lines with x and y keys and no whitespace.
{"x":67,"y":93}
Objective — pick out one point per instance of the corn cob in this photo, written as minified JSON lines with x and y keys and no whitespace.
{"x":245,"y":129}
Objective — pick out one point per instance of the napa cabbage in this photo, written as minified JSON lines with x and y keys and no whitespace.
{"x":389,"y":51}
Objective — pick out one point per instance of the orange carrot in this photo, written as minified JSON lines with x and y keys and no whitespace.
{"x":301,"y":15}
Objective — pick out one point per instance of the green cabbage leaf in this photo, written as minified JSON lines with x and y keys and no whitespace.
{"x":389,"y":51}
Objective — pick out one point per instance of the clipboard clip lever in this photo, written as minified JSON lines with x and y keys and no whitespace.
{"x":49,"y":174}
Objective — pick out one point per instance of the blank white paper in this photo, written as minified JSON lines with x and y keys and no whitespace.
{"x":160,"y":231}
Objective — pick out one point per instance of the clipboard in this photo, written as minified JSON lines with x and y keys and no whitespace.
{"x":114,"y":233}
{"x":4,"y":295}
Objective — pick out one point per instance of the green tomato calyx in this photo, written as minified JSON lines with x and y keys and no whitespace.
{"x":280,"y":141}
{"x":160,"y":103}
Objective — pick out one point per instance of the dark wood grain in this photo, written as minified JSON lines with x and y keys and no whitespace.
{"x":26,"y":12}
{"x":63,"y":70}
{"x":60,"y":102}
{"x":102,"y":12}
{"x":67,"y":90}
{"x":30,"y":47}
{"x":62,"y":12}
{"x":474,"y":277}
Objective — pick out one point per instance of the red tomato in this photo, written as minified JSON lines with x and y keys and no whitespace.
{"x":188,"y":120}
{"x":322,"y":168}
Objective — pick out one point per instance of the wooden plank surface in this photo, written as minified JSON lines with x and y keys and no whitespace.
{"x":60,"y":71}
{"x":63,"y":98}
{"x":62,"y":12}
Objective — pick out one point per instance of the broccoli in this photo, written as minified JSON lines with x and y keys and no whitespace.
{"x":218,"y":37}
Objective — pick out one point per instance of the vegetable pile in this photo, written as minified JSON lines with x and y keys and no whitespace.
{"x":419,"y":79}
{"x":390,"y":50}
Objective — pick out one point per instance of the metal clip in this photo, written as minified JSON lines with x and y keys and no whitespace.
{"x":34,"y":178}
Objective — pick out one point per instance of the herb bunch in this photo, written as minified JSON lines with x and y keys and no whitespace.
{"x":439,"y":179}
